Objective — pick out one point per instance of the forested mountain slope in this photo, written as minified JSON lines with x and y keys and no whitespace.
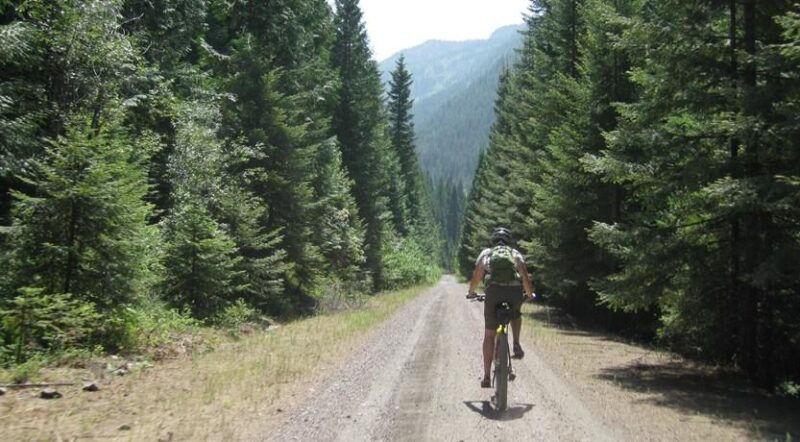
{"x":455,"y":84}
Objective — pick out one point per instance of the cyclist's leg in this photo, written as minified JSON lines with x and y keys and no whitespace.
{"x":516,"y":326}
{"x":490,"y":327}
{"x":488,"y":355}
{"x":513,"y":296}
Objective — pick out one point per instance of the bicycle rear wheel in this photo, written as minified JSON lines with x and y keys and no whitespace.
{"x":501,"y":373}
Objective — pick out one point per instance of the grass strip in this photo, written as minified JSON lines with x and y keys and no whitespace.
{"x":213,"y":396}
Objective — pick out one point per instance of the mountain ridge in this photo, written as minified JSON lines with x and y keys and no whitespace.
{"x":454,"y":89}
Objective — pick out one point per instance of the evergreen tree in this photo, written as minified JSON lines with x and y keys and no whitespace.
{"x":401,"y":126}
{"x":201,"y":261}
{"x":282,"y":124}
{"x":701,"y":154}
{"x":340,"y":232}
{"x":213,"y":203}
{"x":170,"y":35}
{"x":202,"y":265}
{"x":58,"y":59}
{"x":475,"y":228}
{"x":568,"y":198}
{"x":84,"y":231}
{"x":359,"y":124}
{"x":448,"y":200}
{"x":242,"y":213}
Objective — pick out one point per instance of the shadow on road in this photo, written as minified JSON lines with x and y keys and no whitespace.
{"x":696,"y":390}
{"x":484,"y":408}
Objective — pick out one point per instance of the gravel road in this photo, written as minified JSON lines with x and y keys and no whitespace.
{"x":417,"y":378}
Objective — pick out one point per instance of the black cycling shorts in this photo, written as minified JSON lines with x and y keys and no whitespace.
{"x":495,"y":294}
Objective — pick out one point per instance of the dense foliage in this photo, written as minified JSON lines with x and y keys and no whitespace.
{"x":190,"y":160}
{"x":646,"y":154}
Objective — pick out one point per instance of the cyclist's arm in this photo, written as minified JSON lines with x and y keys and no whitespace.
{"x":478,"y":273}
{"x":527,"y":284}
{"x":477,"y":276}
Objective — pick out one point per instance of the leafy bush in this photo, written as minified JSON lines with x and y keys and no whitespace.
{"x":406,"y":264}
{"x":28,"y":370}
{"x":151,"y":323}
{"x":339,"y":295}
{"x":789,"y":389}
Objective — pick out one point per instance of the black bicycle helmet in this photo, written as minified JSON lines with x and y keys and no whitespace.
{"x":502,"y":235}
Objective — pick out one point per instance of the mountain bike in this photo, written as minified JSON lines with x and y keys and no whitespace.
{"x":503,"y":372}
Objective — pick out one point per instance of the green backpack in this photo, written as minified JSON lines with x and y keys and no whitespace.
{"x":502,"y":266}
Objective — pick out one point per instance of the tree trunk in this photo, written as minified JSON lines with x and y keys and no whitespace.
{"x":750,"y":295}
{"x":573,"y":63}
{"x":71,"y":233}
{"x":723,"y":309}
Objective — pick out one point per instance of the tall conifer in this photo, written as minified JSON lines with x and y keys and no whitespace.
{"x":401,"y":126}
{"x":358,"y":123}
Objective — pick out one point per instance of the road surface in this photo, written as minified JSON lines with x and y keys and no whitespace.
{"x":417,"y":378}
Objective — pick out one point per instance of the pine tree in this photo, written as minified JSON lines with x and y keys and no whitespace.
{"x":568,"y":198}
{"x":170,"y":36}
{"x":359,"y":124}
{"x":84,"y":232}
{"x":277,"y":118}
{"x":201,"y":261}
{"x":448,"y":199}
{"x":339,"y":233}
{"x":401,"y":126}
{"x":202,"y":264}
{"x":700,"y":156}
{"x":475,"y":228}
{"x":242,"y":212}
{"x":50,"y":73}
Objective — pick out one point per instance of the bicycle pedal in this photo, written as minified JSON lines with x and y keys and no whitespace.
{"x":512,"y":376}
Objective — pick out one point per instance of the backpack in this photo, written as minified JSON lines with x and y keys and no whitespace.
{"x":502,"y":266}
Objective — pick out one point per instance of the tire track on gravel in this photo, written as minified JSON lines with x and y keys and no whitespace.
{"x":349,"y":403}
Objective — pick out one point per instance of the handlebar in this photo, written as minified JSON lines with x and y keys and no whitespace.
{"x":480,"y":297}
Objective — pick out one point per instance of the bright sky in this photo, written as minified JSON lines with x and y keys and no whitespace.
{"x":393,"y":25}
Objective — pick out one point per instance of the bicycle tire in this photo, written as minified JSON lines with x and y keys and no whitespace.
{"x":501,"y":374}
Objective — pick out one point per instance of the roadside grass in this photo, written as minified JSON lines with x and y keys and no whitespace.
{"x":540,"y":325}
{"x":651,"y":393}
{"x":216,"y":395}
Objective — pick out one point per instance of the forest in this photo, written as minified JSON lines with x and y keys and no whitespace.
{"x":646,"y":155}
{"x":173,"y":162}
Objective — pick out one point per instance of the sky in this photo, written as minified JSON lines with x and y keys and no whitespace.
{"x":393,"y":25}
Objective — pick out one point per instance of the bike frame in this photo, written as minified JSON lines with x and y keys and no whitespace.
{"x":502,"y":371}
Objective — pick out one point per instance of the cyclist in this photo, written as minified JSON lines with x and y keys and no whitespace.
{"x":497,"y":292}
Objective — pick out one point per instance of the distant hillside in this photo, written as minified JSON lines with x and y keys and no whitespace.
{"x":455,"y":84}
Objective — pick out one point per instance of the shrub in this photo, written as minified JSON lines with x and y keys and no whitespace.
{"x":406,"y":264}
{"x":151,"y":323}
{"x":28,"y":370}
{"x":339,"y":295}
{"x":235,"y":315}
{"x":39,"y":322}
{"x":789,"y":389}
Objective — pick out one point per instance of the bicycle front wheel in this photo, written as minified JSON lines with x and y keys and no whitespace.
{"x":501,"y":373}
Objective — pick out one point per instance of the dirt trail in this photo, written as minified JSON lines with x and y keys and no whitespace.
{"x":418,"y":379}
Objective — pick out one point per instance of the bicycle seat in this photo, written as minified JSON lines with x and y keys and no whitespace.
{"x":504,"y":313}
